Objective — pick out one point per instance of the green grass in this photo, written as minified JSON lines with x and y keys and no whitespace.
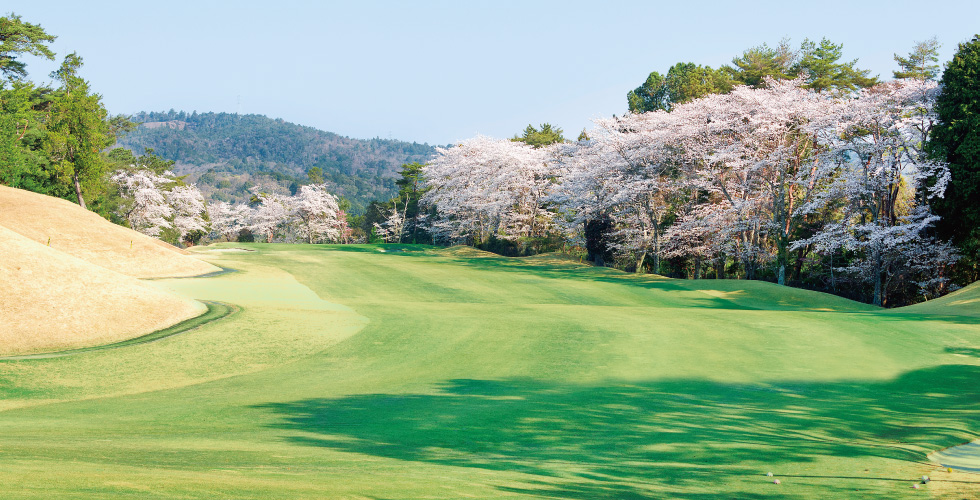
{"x":427,"y":373}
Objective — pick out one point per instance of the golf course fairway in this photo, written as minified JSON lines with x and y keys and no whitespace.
{"x":409,"y":372}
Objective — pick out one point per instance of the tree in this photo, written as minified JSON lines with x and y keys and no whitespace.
{"x":411,"y":188}
{"x":144,"y":207}
{"x":650,"y":96}
{"x":23,"y":107}
{"x":486,"y":187}
{"x":538,"y":138}
{"x":79,"y":130}
{"x":190,"y":216}
{"x":315,"y":175}
{"x":229,"y":220}
{"x":921,"y":63}
{"x":956,"y":139}
{"x":273,"y":216}
{"x":18,"y":37}
{"x":758,"y":63}
{"x":823,"y":72}
{"x":684,"y":82}
{"x":882,"y":183}
{"x":23,"y":111}
{"x":319,"y":214}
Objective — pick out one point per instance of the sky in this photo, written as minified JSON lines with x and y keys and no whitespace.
{"x":443,"y":71}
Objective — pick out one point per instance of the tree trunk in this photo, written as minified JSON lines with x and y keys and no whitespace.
{"x":639,"y":265}
{"x":782,"y":258}
{"x":877,"y":298}
{"x":78,"y":190}
{"x":697,"y":267}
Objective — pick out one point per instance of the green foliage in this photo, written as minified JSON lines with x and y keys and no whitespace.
{"x":819,"y":63}
{"x":23,"y":110}
{"x":316,"y":175}
{"x":956,"y":139}
{"x":17,"y":38}
{"x":756,"y":64}
{"x":684,"y":82}
{"x":823,"y":71}
{"x":921,"y":63}
{"x":78,"y":131}
{"x":124,"y":159}
{"x":544,"y":136}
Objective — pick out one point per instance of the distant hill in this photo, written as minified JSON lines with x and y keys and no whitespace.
{"x":228,"y":154}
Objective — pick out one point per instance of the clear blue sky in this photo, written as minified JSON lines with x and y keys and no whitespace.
{"x":439,"y":72}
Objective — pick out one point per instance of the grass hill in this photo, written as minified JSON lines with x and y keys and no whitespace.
{"x":52,"y":300}
{"x":402,"y":371}
{"x":963,"y":302}
{"x":228,"y":154}
{"x":68,"y":228}
{"x":70,"y":277}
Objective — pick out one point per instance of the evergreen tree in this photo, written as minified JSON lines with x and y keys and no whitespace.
{"x":757,"y":63}
{"x":18,"y":37}
{"x":548,"y":134}
{"x":956,"y":139}
{"x":684,"y":82}
{"x":823,"y":71}
{"x":921,"y":63}
{"x":79,"y":130}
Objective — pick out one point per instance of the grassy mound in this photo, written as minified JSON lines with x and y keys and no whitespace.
{"x":66,"y":227}
{"x":52,"y":300}
{"x":963,"y":302}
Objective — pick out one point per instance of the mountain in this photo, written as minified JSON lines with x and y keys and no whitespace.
{"x":230,"y":155}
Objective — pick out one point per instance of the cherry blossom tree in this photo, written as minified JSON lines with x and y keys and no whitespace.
{"x":229,"y":220}
{"x":273,"y":217}
{"x":144,"y":205}
{"x":318,"y":213}
{"x":483,"y":187}
{"x":189,"y":213}
{"x":390,"y":230}
{"x":881,"y":184}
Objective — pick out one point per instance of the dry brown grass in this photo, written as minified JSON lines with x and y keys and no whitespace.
{"x":65,"y":226}
{"x":51,"y":300}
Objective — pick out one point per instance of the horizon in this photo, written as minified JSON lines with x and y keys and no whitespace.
{"x":439,"y":72}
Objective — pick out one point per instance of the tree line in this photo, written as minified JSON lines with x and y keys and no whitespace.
{"x":829,"y":179}
{"x":789,"y":165}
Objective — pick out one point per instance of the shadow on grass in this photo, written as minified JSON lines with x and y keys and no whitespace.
{"x":684,"y":437}
{"x":964,"y":351}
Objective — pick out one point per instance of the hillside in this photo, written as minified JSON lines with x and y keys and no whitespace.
{"x":52,"y":300}
{"x":228,"y":154}
{"x":70,"y":277}
{"x":68,"y":228}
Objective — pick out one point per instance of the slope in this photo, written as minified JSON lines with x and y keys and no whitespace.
{"x":52,"y":300}
{"x":75,"y":231}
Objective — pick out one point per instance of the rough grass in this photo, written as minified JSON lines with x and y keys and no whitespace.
{"x":66,"y":227}
{"x":426,"y":373}
{"x":51,"y":300}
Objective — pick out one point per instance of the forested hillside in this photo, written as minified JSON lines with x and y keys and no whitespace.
{"x":228,"y":155}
